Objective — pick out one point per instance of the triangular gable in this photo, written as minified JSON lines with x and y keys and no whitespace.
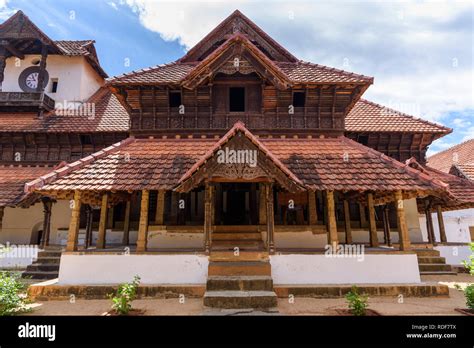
{"x":239,"y":156}
{"x":20,"y":27}
{"x":237,"y":47}
{"x":238,"y":22}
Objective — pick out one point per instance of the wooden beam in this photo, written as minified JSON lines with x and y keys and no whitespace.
{"x":312,"y":212}
{"x":404,"y":238}
{"x":347,"y":222}
{"x":270,"y":218}
{"x":442,"y":229}
{"x":333,"y":239}
{"x":126,"y":223}
{"x":143,"y":226}
{"x":160,"y":207}
{"x":13,"y":50}
{"x":102,"y":222}
{"x":73,"y":233}
{"x":374,"y":241}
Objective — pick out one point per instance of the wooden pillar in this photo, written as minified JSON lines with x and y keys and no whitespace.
{"x":429,"y":223}
{"x":347,"y":222}
{"x":47,"y":207}
{"x":374,"y":241}
{"x":102,"y":222}
{"x":404,"y":238}
{"x":89,"y":216}
{"x":442,"y":229}
{"x":3,"y":59}
{"x":270,"y":218}
{"x":73,"y":233}
{"x":262,"y":216}
{"x":143,"y":226}
{"x":174,"y":207}
{"x":208,"y":207}
{"x":363,"y":220}
{"x":42,"y":68}
{"x":126,"y":223}
{"x":160,"y":207}
{"x":333,"y":239}
{"x":386,"y":225}
{"x":312,"y":212}
{"x":2,"y":212}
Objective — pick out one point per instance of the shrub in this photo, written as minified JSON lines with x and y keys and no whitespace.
{"x":12,"y":297}
{"x":126,"y":293}
{"x":357,"y":303}
{"x":469,"y":264}
{"x":469,"y":294}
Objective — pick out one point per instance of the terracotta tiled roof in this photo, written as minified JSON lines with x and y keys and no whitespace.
{"x":75,"y":47}
{"x":137,"y":164}
{"x":305,"y":72}
{"x":171,"y":73}
{"x":460,"y":154}
{"x":465,"y":171}
{"x":110,"y":116}
{"x":367,"y":116}
{"x":299,"y":72}
{"x":12,"y":182}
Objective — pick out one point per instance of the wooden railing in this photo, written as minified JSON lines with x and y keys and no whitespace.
{"x":27,"y":99}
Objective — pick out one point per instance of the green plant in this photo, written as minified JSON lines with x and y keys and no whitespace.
{"x":12,"y":297}
{"x":469,"y":264}
{"x":357,"y":303}
{"x":126,"y":293}
{"x":469,"y":294}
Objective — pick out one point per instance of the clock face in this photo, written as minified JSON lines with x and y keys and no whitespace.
{"x":28,"y":79}
{"x":32,"y":80}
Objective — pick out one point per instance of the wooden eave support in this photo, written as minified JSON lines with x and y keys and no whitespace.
{"x":404,"y":238}
{"x":73,"y":233}
{"x":374,"y":241}
{"x":442,"y":229}
{"x":143,"y":225}
{"x":103,"y":222}
{"x":347,"y":222}
{"x":333,"y":239}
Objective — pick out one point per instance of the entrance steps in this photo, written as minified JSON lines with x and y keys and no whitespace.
{"x":231,"y":237}
{"x":239,"y":281}
{"x":45,"y":267}
{"x":431,"y":263}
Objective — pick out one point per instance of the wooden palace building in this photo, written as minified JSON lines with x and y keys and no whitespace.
{"x":237,"y":148}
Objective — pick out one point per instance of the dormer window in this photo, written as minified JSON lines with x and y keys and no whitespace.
{"x":299,"y":99}
{"x":175,"y":99}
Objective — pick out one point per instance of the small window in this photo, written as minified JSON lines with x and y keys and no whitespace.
{"x":237,"y":99}
{"x":54,"y":85}
{"x":86,"y":139}
{"x":175,"y":99}
{"x":299,"y":99}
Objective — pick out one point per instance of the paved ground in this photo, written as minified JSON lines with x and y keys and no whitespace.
{"x":300,"y":306}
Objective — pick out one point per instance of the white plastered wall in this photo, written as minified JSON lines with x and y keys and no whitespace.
{"x":456,"y":224}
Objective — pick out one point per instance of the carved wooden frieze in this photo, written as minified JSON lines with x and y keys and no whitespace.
{"x":237,"y":64}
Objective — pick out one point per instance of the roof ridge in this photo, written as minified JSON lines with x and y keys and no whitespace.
{"x":405,"y":114}
{"x":68,"y":168}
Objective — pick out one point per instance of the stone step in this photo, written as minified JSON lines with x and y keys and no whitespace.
{"x":49,"y":253}
{"x":242,"y":283}
{"x":48,"y":259}
{"x":434,"y":267}
{"x":40,"y":275}
{"x":429,"y":259}
{"x":236,"y":228}
{"x":437,"y":273}
{"x":231,"y":256}
{"x":426,"y":252}
{"x":237,"y":236}
{"x":239,"y":268}
{"x":240,"y":299}
{"x":42,"y":267}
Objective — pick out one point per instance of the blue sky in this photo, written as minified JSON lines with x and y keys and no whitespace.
{"x":420,"y":53}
